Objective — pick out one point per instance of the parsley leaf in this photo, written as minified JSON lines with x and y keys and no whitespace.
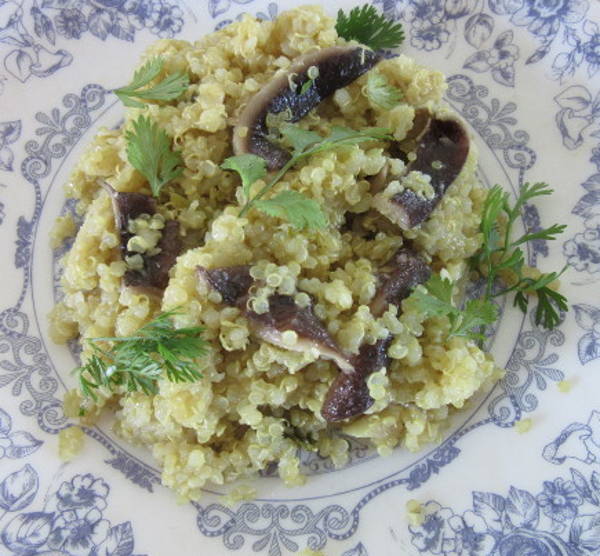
{"x":500,"y":254}
{"x":304,"y":144}
{"x":149,"y":151}
{"x":298,"y":138}
{"x":381,"y":93}
{"x":434,"y":299}
{"x":250,"y":167}
{"x":294,"y":207}
{"x":157,"y":350}
{"x":170,"y":88}
{"x":367,"y":26}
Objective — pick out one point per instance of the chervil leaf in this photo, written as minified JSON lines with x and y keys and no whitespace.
{"x":546,"y":312}
{"x":170,"y":88}
{"x":295,"y":208}
{"x":298,"y":138}
{"x":307,"y":143}
{"x":500,"y":255}
{"x":381,"y":93}
{"x":250,"y":167}
{"x":157,"y":350}
{"x":434,"y":299}
{"x":476,"y":313}
{"x":149,"y":151}
{"x":345,"y":136}
{"x":367,"y":26}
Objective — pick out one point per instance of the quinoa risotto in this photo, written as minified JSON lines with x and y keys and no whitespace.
{"x":261,"y":395}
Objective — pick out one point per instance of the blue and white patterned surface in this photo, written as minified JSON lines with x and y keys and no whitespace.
{"x":525,"y":75}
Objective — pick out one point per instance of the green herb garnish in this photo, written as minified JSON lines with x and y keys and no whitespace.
{"x":149,"y":151}
{"x":434,"y":299}
{"x":500,"y":254}
{"x":367,"y":26}
{"x":381,"y":93}
{"x":293,"y":206}
{"x":158,"y":350}
{"x":170,"y":88}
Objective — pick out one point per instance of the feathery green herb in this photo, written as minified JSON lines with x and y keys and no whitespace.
{"x":149,"y":151}
{"x":158,"y":350}
{"x":380,"y":92}
{"x":290,"y":205}
{"x":434,"y":299}
{"x":501,"y":254}
{"x":367,"y":26}
{"x":169,"y":88}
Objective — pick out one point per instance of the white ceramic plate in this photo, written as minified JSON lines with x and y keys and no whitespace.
{"x":526,"y":75}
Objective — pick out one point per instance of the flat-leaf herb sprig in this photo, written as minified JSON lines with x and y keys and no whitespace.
{"x":435,"y":299}
{"x":501,"y":260}
{"x":157,"y":350}
{"x":169,"y":88}
{"x":369,"y":27}
{"x":501,"y":255}
{"x":300,"y":211}
{"x":150,"y":152}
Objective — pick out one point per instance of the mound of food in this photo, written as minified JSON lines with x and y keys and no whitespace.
{"x":253,"y":241}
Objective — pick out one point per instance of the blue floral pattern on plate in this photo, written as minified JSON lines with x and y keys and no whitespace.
{"x":562,"y":518}
{"x":34,"y":29}
{"x":495,"y":43}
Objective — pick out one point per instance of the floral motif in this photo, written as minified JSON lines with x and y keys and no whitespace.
{"x":588,"y":318}
{"x":84,"y":491}
{"x":563,"y":519}
{"x":71,"y":23}
{"x":472,"y":536}
{"x":15,"y":444}
{"x":499,"y":60}
{"x":579,"y":111}
{"x":435,"y":534}
{"x":429,"y":36}
{"x":77,"y":528}
{"x":9,"y":133}
{"x":544,"y":17}
{"x":548,"y":524}
{"x":559,"y":500}
{"x":35,"y":27}
{"x":577,"y":441}
{"x":169,"y":21}
{"x":77,"y":532}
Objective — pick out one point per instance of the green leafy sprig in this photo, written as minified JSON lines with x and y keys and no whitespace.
{"x":169,"y":88}
{"x":300,"y":211}
{"x":501,"y":254}
{"x":380,"y":92}
{"x":435,"y":299}
{"x":150,"y":152}
{"x":158,"y":350}
{"x":369,"y":27}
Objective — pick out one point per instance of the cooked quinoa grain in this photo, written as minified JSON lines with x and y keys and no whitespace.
{"x":256,"y":402}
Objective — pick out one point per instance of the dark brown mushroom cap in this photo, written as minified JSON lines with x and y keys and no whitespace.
{"x":232,"y":282}
{"x":441,"y":153}
{"x":400,"y":149}
{"x":156,"y":268}
{"x":284,"y":315}
{"x":155,"y":274}
{"x":397,"y":278}
{"x":338,"y":67}
{"x":348,"y":395}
